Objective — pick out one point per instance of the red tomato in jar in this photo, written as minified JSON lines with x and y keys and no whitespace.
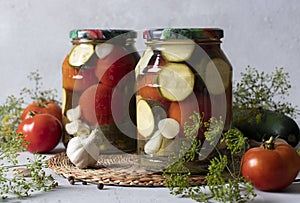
{"x":147,"y":88}
{"x":41,"y":107}
{"x":77,"y":79}
{"x":113,"y":67}
{"x":271,"y":168}
{"x":42,"y":131}
{"x":96,"y":105}
{"x":181,"y":111}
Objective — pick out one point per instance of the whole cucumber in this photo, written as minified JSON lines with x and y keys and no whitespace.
{"x":260,"y":124}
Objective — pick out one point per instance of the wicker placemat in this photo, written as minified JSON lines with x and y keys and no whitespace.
{"x":120,"y":170}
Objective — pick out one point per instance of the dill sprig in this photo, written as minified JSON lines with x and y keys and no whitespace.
{"x":258,"y":89}
{"x":224,"y":180}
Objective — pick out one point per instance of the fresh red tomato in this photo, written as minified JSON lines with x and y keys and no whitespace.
{"x":40,"y":107}
{"x":42,"y":131}
{"x":112,"y":68}
{"x":271,"y":167}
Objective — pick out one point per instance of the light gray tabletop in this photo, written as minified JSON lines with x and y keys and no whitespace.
{"x":115,"y":194}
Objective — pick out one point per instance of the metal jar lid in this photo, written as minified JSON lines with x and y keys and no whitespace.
{"x":105,"y":34}
{"x":183,"y":33}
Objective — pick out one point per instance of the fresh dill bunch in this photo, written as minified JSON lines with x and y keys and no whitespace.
{"x":22,"y":186}
{"x":37,"y":93}
{"x":11,"y":145}
{"x":264,"y":90}
{"x":10,"y":116}
{"x":224,"y":180}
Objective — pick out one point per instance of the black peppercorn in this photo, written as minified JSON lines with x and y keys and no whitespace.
{"x":100,"y":186}
{"x":71,"y":180}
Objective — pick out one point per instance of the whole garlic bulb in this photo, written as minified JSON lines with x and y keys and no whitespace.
{"x":84,"y":151}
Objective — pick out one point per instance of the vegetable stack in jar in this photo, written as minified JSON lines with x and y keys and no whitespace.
{"x":98,"y":88}
{"x":182,"y":71}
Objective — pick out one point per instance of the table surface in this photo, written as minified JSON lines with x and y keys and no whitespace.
{"x":117,"y":194}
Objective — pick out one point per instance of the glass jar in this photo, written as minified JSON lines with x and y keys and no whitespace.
{"x":182,"y":71}
{"x":98,"y":88}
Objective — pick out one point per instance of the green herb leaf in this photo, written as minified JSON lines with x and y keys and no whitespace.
{"x":224,"y":181}
{"x":263,"y":90}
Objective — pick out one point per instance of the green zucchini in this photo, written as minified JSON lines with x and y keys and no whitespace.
{"x":259,"y":125}
{"x":179,"y":52}
{"x":149,"y":113}
{"x":176,"y":81}
{"x":145,"y":119}
{"x":80,"y":54}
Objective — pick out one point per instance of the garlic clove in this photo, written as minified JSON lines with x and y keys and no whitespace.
{"x":103,"y":50}
{"x":169,"y":128}
{"x":84,"y":151}
{"x":78,"y":128}
{"x":74,"y":114}
{"x":76,"y":153}
{"x":153,"y":145}
{"x":91,"y":144}
{"x":72,"y":127}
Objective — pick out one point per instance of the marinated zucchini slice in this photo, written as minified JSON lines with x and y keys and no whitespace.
{"x":149,"y":113}
{"x":80,"y":54}
{"x":176,"y":81}
{"x":145,"y":118}
{"x":181,"y":51}
{"x":143,"y":62}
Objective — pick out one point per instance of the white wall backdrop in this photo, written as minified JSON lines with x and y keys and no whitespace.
{"x":34,"y":34}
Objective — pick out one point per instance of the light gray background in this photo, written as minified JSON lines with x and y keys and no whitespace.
{"x":34,"y":33}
